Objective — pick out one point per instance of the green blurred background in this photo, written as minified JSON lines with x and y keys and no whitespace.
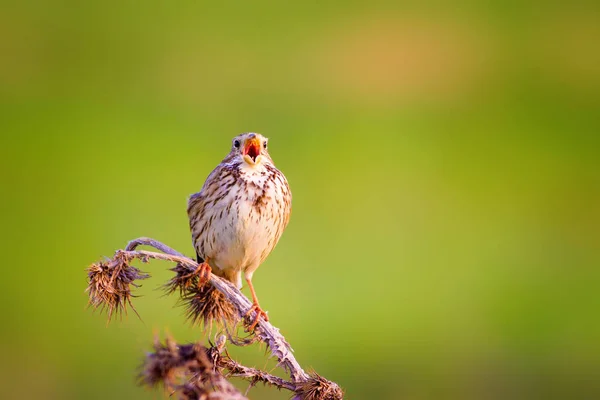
{"x":444,"y":160}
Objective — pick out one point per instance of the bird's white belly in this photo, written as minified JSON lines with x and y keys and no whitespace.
{"x":243,"y":238}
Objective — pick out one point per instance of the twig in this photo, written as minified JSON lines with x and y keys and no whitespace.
{"x":306,"y":386}
{"x":145,"y":241}
{"x":254,"y":375}
{"x":240,"y":371}
{"x":267,"y":332}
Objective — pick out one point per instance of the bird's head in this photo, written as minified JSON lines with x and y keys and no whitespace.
{"x":251,"y":148}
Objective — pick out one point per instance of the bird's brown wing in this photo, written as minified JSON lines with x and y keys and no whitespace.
{"x":215,"y":188}
{"x":196,"y":211}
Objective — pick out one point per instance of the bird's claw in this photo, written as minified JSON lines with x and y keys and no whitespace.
{"x":259,"y":313}
{"x":203,"y":271}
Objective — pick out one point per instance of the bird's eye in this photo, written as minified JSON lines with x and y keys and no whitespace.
{"x":236,"y":143}
{"x":265,"y":145}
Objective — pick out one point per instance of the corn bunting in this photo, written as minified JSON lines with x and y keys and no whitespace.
{"x":239,"y":214}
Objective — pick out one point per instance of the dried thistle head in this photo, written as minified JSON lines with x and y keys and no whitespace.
{"x":165,"y":364}
{"x":185,"y":279}
{"x":161,"y":364}
{"x":203,"y":303}
{"x":192,"y":391}
{"x":318,"y":388}
{"x":206,"y":305}
{"x":189,"y":370}
{"x":109,"y":284}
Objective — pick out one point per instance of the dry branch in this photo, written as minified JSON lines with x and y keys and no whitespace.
{"x":109,"y":288}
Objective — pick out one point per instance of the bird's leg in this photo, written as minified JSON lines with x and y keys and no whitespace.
{"x":255,"y":307}
{"x":203,"y":272}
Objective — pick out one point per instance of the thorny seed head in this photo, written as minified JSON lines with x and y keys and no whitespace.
{"x":319,"y":388}
{"x":206,"y":305}
{"x":159,"y":365}
{"x":185,"y":279}
{"x":188,"y":370}
{"x":109,"y":284}
{"x":164,"y":363}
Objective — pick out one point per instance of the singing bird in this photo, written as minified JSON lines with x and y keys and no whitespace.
{"x":240,"y":213}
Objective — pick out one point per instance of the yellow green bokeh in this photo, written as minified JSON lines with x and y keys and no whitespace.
{"x":444,"y":161}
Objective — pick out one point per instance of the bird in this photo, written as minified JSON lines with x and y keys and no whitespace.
{"x":239,"y":214}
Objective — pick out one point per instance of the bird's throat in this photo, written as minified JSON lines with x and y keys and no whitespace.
{"x":252,"y":161}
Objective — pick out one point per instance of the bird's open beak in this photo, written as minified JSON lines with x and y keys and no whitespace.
{"x":251,"y":150}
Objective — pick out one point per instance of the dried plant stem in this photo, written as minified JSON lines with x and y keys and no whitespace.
{"x":267,"y":333}
{"x":145,"y":241}
{"x":109,"y":286}
{"x":255,"y":375}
